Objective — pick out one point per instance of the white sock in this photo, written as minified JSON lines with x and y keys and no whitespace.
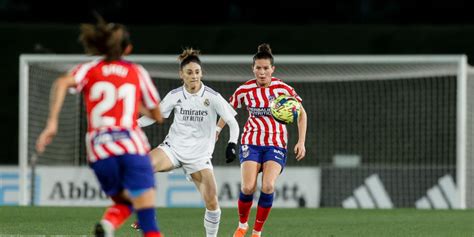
{"x":243,"y":225}
{"x":254,"y":232}
{"x":108,"y":228}
{"x":211,"y":222}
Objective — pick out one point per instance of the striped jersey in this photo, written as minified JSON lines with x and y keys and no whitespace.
{"x":261,"y":129}
{"x":192,"y":134}
{"x":113,"y":92}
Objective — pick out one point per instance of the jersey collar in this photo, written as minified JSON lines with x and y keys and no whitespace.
{"x":200,"y":92}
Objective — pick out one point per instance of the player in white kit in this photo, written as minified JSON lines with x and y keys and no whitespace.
{"x":191,"y":138}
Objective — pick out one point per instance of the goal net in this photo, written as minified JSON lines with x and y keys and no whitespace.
{"x":387,"y":131}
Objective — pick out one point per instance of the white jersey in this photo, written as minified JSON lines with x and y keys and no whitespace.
{"x":193,"y":132}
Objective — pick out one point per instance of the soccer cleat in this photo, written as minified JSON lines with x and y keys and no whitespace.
{"x":256,"y":233}
{"x":101,"y":230}
{"x":135,"y":226}
{"x":240,"y":232}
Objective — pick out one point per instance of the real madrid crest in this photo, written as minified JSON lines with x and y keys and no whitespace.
{"x":206,"y":102}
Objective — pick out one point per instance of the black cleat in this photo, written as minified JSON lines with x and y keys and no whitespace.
{"x":99,"y":230}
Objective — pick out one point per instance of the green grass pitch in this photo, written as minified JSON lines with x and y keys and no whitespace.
{"x":188,"y":222}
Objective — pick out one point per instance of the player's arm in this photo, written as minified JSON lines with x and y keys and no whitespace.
{"x":220,"y":125}
{"x":156,"y":115}
{"x":56,"y":100}
{"x":234,"y":103}
{"x":145,"y":120}
{"x":150,"y":116}
{"x":300,"y":149}
{"x":227,"y":115}
{"x":165,"y":107}
{"x":150,"y":96}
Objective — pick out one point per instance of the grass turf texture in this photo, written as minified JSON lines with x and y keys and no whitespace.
{"x":188,"y":222}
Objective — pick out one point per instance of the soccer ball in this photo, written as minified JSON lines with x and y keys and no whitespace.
{"x":285,"y":109}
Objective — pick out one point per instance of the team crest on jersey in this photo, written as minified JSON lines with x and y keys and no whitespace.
{"x":206,"y":102}
{"x":271,"y":97}
{"x":245,"y":151}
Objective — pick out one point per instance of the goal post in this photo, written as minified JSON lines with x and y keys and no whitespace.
{"x":370,"y":108}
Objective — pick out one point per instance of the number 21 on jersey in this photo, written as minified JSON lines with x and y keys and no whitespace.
{"x":109,"y":96}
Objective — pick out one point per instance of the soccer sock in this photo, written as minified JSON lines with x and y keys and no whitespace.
{"x":117,"y":214}
{"x":211,"y":222}
{"x":264,"y":206}
{"x":245,"y":203}
{"x":147,"y":221}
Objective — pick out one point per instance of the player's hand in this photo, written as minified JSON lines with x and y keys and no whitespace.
{"x":300,"y":151}
{"x":46,"y":137}
{"x":230,"y":152}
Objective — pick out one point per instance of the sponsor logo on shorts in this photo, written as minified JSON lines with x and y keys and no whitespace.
{"x":278,"y":152}
{"x":245,"y":151}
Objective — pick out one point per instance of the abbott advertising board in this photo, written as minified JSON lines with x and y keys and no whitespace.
{"x":73,"y":186}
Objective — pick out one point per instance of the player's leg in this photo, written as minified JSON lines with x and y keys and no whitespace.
{"x":271,"y":171}
{"x":249,"y":174}
{"x":249,"y":168}
{"x":108,"y":172}
{"x":118,"y":213}
{"x":163,"y":159}
{"x":206,"y":184}
{"x":139,"y":182}
{"x":160,"y":159}
{"x":144,"y":205}
{"x":274,"y":159}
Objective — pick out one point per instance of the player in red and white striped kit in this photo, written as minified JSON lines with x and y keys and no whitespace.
{"x":114,"y":92}
{"x":264,"y":140}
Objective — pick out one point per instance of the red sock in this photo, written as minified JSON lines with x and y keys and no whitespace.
{"x":244,"y":210}
{"x":262,"y":214}
{"x":152,"y":234}
{"x":117,"y":214}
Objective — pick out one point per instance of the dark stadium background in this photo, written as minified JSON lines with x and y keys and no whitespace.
{"x":230,"y":27}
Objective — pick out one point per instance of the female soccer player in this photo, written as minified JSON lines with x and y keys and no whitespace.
{"x":191,"y":138}
{"x":264,"y":140}
{"x":114,"y":91}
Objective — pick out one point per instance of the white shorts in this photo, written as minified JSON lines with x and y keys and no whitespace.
{"x":189,"y":167}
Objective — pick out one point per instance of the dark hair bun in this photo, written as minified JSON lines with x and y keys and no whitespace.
{"x":264,"y":48}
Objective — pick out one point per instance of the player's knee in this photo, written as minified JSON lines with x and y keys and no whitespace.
{"x":268,"y":187}
{"x":248,"y":189}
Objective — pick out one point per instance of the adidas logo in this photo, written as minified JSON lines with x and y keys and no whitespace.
{"x":371,"y":194}
{"x":443,"y":195}
{"x":179,"y":101}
